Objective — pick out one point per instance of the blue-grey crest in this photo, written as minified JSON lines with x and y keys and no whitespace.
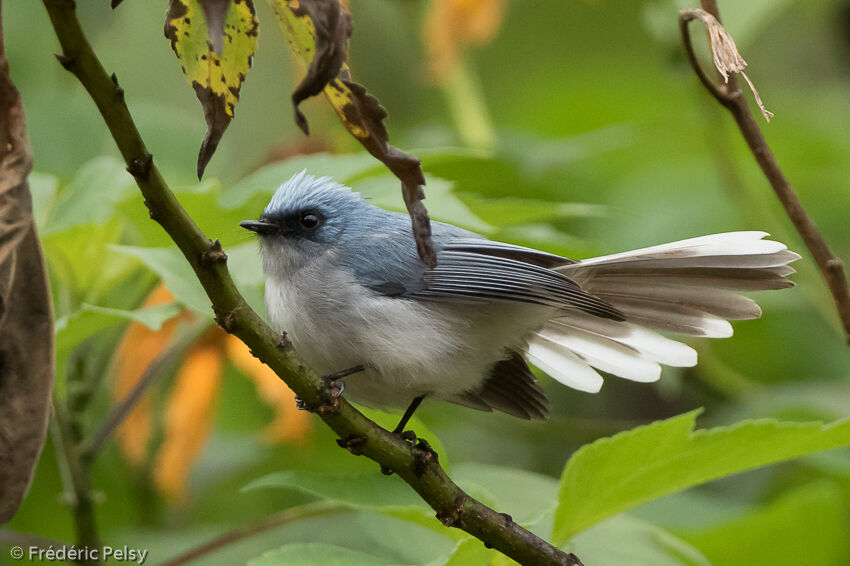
{"x":345,"y":282}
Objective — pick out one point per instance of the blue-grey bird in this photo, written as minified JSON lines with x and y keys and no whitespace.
{"x":346,"y":284}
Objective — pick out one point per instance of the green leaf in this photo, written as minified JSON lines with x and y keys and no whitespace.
{"x":91,"y":196}
{"x":812,"y":521}
{"x":215,"y":50}
{"x":315,"y":554}
{"x":175,"y":272}
{"x":468,"y":552}
{"x":614,"y":474}
{"x":523,"y":495}
{"x":365,"y":491}
{"x":73,"y":329}
{"x":81,"y":259}
{"x":624,"y":540}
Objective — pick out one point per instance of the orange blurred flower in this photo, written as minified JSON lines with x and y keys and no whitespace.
{"x":192,"y":399}
{"x":452,"y":25}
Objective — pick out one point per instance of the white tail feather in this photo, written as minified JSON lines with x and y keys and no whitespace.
{"x":686,"y":287}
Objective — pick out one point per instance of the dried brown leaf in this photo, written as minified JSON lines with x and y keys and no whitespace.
{"x":26,"y":317}
{"x":725,"y":54}
{"x":332,"y":28}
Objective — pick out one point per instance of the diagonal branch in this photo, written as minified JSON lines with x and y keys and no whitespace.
{"x":417,"y":465}
{"x":729,"y":95}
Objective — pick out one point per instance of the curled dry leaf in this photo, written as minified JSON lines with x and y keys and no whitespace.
{"x":318,"y":32}
{"x":725,"y":53}
{"x":215,"y":42}
{"x":26,"y":317}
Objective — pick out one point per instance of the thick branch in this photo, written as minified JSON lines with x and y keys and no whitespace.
{"x":417,"y":466}
{"x":729,"y":95}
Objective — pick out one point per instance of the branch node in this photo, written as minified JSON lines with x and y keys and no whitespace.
{"x":424,"y":456}
{"x":228,"y":320}
{"x":213,"y":255}
{"x":151,"y":211}
{"x":835,"y":264}
{"x":64,"y":60}
{"x":119,"y":92}
{"x":353,"y":443}
{"x":455,"y":517}
{"x":140,"y":167}
{"x":283,"y":341}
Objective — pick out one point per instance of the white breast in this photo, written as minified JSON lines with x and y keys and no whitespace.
{"x":409,"y":347}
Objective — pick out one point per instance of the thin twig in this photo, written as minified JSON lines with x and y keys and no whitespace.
{"x":80,"y":500}
{"x":729,"y":95}
{"x":285,"y":517}
{"x":418,"y":466}
{"x":153,"y":372}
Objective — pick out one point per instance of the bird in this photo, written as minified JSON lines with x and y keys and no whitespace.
{"x":345,"y":282}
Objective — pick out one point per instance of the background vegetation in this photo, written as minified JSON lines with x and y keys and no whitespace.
{"x":573,"y":127}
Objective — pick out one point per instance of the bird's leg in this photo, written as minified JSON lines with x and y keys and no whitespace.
{"x":334,"y":386}
{"x":424,"y":453}
{"x":399,"y":429}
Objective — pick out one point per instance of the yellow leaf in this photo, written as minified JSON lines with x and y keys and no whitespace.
{"x":215,"y":73}
{"x":188,"y":417}
{"x":452,"y":25}
{"x":289,"y":424}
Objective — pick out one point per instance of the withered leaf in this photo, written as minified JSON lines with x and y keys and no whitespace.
{"x":215,"y":42}
{"x":318,"y":32}
{"x":215,"y":12}
{"x":26,"y":318}
{"x":332,"y":28}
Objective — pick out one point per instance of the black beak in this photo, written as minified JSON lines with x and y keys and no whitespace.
{"x":259,"y":226}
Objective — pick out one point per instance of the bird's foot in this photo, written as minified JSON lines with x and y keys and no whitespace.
{"x":423,"y":453}
{"x":332,"y":389}
{"x":352,"y":443}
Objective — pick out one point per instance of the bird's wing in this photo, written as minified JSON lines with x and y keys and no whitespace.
{"x":510,"y":388}
{"x":471,"y":270}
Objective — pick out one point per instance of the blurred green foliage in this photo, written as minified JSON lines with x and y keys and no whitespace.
{"x":604,"y":141}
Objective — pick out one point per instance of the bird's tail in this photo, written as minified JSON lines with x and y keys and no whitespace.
{"x":686,"y":287}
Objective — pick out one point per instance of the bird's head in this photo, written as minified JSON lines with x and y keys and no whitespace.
{"x":306,"y":217}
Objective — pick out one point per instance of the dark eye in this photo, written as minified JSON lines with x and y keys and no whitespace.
{"x":310,"y":220}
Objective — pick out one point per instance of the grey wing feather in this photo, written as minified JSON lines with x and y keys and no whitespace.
{"x":510,"y":388}
{"x":470,"y":269}
{"x":487,"y":277}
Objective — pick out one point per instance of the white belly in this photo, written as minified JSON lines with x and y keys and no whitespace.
{"x":409,"y":347}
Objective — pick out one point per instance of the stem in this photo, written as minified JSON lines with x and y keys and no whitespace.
{"x":80,"y":500}
{"x":729,"y":95}
{"x":468,"y":108}
{"x":156,"y":370}
{"x":417,"y":465}
{"x":285,"y":517}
